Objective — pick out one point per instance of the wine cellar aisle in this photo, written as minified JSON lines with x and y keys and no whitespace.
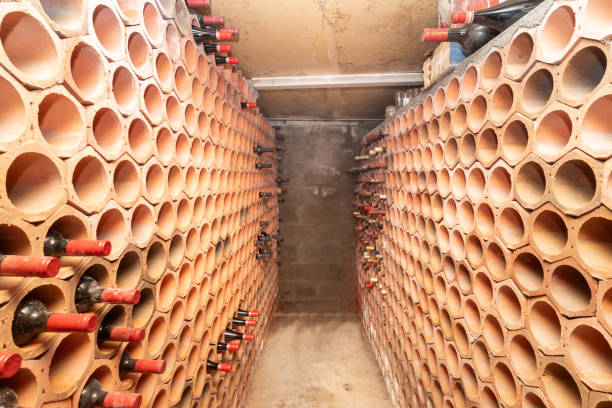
{"x":306,"y":204}
{"x":317,"y":360}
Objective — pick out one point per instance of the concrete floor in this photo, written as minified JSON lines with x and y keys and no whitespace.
{"x":317,"y":360}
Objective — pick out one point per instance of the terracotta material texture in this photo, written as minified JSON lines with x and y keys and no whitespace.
{"x":116,"y":126}
{"x":484,"y":273}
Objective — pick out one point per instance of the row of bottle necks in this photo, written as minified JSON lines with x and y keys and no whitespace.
{"x":92,"y":394}
{"x":369,"y":210}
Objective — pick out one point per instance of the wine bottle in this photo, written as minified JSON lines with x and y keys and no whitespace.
{"x":10,"y":363}
{"x":212,"y":366}
{"x":263,"y":194}
{"x":109,"y":332}
{"x":247,"y":313}
{"x":240,"y":322}
{"x":56,"y":245}
{"x":498,"y":17}
{"x":219,"y":60}
{"x":470,"y":37}
{"x":231,"y":335}
{"x":264,"y":224}
{"x":221,"y":347}
{"x":203,"y":34}
{"x":262,"y":256}
{"x":263,"y":251}
{"x":259,"y":150}
{"x":211,"y":20}
{"x":198,"y":3}
{"x":29,"y":266}
{"x":281,"y":180}
{"x":128,"y":364}
{"x":93,"y":396}
{"x":217,"y":48}
{"x":260,"y":166}
{"x":32,"y":318}
{"x":88,"y":292}
{"x":8,"y":398}
{"x":248,"y":105}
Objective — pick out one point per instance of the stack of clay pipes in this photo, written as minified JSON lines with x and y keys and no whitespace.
{"x":115,"y":125}
{"x":495,"y":285}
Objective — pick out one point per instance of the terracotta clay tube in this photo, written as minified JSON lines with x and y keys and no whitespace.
{"x":520,"y":55}
{"x":140,"y":54}
{"x":153,"y":24}
{"x":470,"y":82}
{"x":41,"y":197}
{"x":556,"y":34}
{"x":86,"y":73}
{"x":27,"y":45}
{"x":61,"y":120}
{"x":124,"y":87}
{"x":490,"y":71}
{"x":597,"y":13}
{"x":108,"y":30}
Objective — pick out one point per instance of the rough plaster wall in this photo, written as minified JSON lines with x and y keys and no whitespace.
{"x":318,"y":37}
{"x":317,"y":273}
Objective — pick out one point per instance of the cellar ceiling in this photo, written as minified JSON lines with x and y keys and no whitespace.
{"x":325,"y":37}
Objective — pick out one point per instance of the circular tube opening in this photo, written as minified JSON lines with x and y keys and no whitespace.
{"x":537,"y":91}
{"x":519,"y":54}
{"x":112,"y":227}
{"x":33,"y":183}
{"x":569,"y":288}
{"x":108,"y":130}
{"x":544,"y":325}
{"x":574,"y":184}
{"x":28,"y":45}
{"x":594,"y":245}
{"x":125,"y":89}
{"x":560,"y":387}
{"x":557,"y":32}
{"x":126,"y":181}
{"x":107,"y":28}
{"x":550,"y":234}
{"x":87,"y":70}
{"x":70,"y":362}
{"x":528,"y":271}
{"x":89,"y":180}
{"x":59,"y":119}
{"x":490,"y":71}
{"x":596,"y":131}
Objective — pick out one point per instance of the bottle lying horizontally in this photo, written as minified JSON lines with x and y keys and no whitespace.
{"x":132,"y":365}
{"x":240,"y":322}
{"x":217,"y":48}
{"x":56,"y":245}
{"x":471,"y":37}
{"x":231,"y":335}
{"x":88,"y":292}
{"x":29,"y":266}
{"x":201,"y":34}
{"x":213,"y":366}
{"x":221,"y":347}
{"x":93,"y":396}
{"x":10,"y":363}
{"x":247,"y":313}
{"x":498,"y":17}
{"x":31,"y":318}
{"x":110,"y":332}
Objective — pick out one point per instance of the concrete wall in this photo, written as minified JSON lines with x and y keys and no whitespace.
{"x":317,"y":271}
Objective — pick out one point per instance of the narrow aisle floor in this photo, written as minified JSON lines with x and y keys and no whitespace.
{"x":317,"y":360}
